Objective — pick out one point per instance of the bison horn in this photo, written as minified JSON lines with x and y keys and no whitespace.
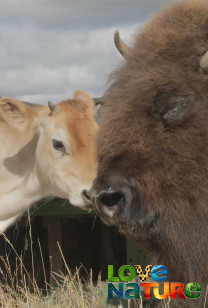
{"x":51,"y":106}
{"x":204,"y":63}
{"x":120,"y":45}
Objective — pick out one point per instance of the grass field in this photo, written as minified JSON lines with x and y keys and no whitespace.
{"x":22,"y":291}
{"x":18,"y":288}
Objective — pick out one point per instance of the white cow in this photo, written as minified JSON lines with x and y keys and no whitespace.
{"x":45,"y":151}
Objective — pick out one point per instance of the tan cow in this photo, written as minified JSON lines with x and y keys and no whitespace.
{"x":45,"y":151}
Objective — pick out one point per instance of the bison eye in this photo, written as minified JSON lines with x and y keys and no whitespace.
{"x":172,"y":109}
{"x":58,"y":145}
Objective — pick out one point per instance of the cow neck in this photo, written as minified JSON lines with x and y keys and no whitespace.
{"x":19,"y":189}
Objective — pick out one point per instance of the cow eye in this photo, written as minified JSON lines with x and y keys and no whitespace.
{"x":58,"y":145}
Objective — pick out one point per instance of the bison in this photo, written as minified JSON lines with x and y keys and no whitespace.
{"x":152,"y":144}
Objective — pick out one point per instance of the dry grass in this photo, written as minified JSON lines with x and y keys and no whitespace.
{"x":71,"y":293}
{"x":22,"y":291}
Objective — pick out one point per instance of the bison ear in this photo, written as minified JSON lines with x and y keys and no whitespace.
{"x":16,"y":113}
{"x":83,"y":96}
{"x":172,"y":109}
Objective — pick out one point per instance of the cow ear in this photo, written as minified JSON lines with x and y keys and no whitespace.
{"x":16,"y":113}
{"x":172,"y":109}
{"x":81,"y":95}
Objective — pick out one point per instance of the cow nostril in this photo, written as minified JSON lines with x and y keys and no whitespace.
{"x":86,"y":197}
{"x":86,"y":194}
{"x":110,"y":199}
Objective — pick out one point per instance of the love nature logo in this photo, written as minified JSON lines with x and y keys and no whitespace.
{"x":158,"y":273}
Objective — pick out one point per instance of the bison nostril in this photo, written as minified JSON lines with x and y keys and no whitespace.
{"x":111,"y":198}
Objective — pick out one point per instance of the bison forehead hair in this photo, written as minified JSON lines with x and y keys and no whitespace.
{"x":154,"y":133}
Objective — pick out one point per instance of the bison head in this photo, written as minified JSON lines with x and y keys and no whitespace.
{"x":152,"y":178}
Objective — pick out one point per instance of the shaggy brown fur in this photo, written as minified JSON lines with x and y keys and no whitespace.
{"x":163,"y":156}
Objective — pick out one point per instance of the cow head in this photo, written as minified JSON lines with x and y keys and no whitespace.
{"x":63,"y":138}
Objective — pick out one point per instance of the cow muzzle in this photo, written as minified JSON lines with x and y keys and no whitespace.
{"x":86,"y":198}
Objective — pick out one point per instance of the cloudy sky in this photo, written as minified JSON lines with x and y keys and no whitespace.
{"x":49,"y":48}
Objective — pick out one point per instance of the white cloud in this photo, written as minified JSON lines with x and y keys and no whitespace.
{"x":43,"y":64}
{"x":49,"y":48}
{"x":78,"y":13}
